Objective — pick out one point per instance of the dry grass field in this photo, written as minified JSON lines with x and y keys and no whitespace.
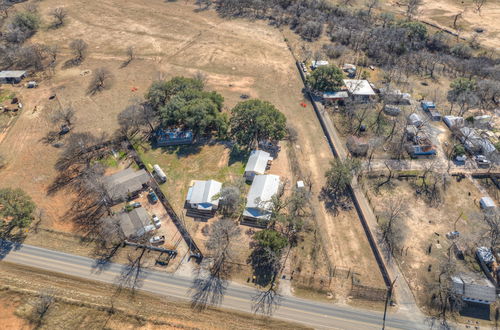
{"x":237,"y":57}
{"x":425,"y":226}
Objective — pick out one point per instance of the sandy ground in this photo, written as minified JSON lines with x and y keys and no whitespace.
{"x":170,"y":39}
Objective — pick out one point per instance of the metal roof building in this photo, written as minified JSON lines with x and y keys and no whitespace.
{"x":11,"y":77}
{"x":258,"y":207}
{"x":359,"y":87}
{"x":257,"y":164}
{"x":474,"y":290}
{"x":201,"y":195}
{"x":125,"y":183}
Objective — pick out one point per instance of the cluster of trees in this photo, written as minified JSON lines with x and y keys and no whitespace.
{"x":16,"y":212}
{"x":183,"y":102}
{"x":335,"y":193}
{"x":326,"y":79}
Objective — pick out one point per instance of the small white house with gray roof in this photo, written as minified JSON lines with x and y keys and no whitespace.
{"x":257,"y":164}
{"x":258,"y":208}
{"x":203,"y":195}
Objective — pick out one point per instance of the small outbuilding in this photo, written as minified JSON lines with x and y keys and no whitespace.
{"x":335,"y":96}
{"x":169,"y":137}
{"x":204,"y":195}
{"x":487,"y":203}
{"x":258,"y":162}
{"x":12,"y":77}
{"x":454,"y":121}
{"x":317,"y":64}
{"x":391,"y":110}
{"x":415,"y":120}
{"x":427,"y":105}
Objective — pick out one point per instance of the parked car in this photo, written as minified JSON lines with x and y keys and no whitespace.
{"x":157,"y":240}
{"x":152,"y":197}
{"x":135,"y":205}
{"x":482,"y":161}
{"x":156,"y":221}
{"x":460,"y":160}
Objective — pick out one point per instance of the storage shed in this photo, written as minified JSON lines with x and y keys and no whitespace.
{"x":11,"y":77}
{"x":257,"y":164}
{"x":487,"y":203}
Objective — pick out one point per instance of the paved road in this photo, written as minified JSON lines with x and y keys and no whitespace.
{"x":238,"y":297}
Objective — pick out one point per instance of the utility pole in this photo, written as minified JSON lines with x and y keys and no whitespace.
{"x":387,"y":299}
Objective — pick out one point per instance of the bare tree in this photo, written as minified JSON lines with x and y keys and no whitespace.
{"x":101,"y":80}
{"x":391,"y":225}
{"x":65,"y":116}
{"x":372,"y":4}
{"x":51,"y":52}
{"x":130,"y":52}
{"x":445,"y":301}
{"x":41,"y":306}
{"x":59,"y":15}
{"x":479,"y":4}
{"x":413,"y":8}
{"x":231,"y":198}
{"x":211,"y":278}
{"x":79,"y":49}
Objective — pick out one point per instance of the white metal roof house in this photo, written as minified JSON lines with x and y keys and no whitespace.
{"x":359,"y":90}
{"x":474,"y":290}
{"x":258,"y":208}
{"x":257,"y":164}
{"x":202,"y":195}
{"x":11,"y":77}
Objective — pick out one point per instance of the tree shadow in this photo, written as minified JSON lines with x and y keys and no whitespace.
{"x":207,"y":290}
{"x":181,"y":151}
{"x":9,"y":245}
{"x":238,"y":154}
{"x":476,"y":310}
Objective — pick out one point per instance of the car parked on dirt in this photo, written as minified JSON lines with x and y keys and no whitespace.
{"x":157,"y":240}
{"x":156,"y":221}
{"x":153,"y":199}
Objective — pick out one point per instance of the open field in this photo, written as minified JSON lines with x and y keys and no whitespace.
{"x":96,"y":306}
{"x":237,"y":56}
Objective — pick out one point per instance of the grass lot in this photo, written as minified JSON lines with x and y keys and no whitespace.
{"x":182,"y":164}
